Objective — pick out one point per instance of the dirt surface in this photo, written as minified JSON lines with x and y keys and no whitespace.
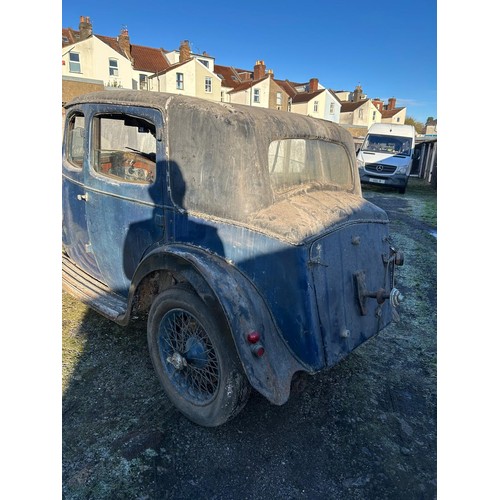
{"x":364,"y":429}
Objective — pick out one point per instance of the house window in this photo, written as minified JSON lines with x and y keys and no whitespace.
{"x":143,"y":81}
{"x":208,"y":84}
{"x":203,"y":62}
{"x":279,"y":99}
{"x":397,"y":119}
{"x":315,"y":107}
{"x":179,"y":81}
{"x":360,"y":113}
{"x":113,"y":67}
{"x":256,"y":95}
{"x":74,"y":62}
{"x":374,"y":114}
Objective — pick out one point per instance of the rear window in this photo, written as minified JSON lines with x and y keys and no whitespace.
{"x":309,"y":163}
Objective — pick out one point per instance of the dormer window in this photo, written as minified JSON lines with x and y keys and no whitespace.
{"x":113,"y":67}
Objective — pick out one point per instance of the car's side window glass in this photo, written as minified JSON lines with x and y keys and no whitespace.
{"x":74,"y":139}
{"x":124,"y":148}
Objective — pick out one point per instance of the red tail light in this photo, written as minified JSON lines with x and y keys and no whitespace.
{"x":253,"y":337}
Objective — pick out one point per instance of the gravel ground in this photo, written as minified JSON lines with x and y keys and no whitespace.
{"x":365,"y":429}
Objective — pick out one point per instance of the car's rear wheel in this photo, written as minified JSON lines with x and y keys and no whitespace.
{"x":195,"y":359}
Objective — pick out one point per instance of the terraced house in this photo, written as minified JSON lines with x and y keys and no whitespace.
{"x":95,"y":62}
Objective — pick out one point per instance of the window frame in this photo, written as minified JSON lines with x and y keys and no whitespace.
{"x":113,"y":70}
{"x":208,"y":84}
{"x":74,"y":64}
{"x":179,"y":81}
{"x":256,"y":96}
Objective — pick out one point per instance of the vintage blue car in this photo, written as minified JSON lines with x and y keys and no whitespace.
{"x":242,"y":233}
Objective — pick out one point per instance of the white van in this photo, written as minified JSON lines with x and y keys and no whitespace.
{"x":386,"y":155}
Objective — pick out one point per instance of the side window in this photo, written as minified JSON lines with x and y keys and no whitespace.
{"x":74,"y":139}
{"x":113,"y":67}
{"x":208,"y":84}
{"x":124,"y":147}
{"x":74,"y":62}
{"x":179,"y":81}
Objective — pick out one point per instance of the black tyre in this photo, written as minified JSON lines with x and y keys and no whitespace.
{"x":195,"y":359}
{"x":402,"y":190}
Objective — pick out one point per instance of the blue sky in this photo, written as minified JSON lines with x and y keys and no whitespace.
{"x":388,"y":46}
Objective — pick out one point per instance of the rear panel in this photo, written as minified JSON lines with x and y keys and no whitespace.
{"x":355,"y":250}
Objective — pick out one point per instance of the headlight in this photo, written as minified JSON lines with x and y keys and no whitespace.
{"x":361,"y":163}
{"x":401,"y":170}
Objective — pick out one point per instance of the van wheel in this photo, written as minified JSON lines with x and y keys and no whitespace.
{"x":402,"y":190}
{"x":195,"y":359}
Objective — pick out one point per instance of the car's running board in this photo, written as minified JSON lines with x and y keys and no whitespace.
{"x":92,"y":292}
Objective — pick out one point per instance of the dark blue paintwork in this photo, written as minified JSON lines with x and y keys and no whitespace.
{"x":290,"y":277}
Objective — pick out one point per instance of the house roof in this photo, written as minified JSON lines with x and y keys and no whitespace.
{"x":175,"y":66}
{"x":246,"y":85}
{"x":144,"y":58}
{"x":389,"y":113}
{"x":348,"y":106}
{"x":229,"y":75}
{"x":287,"y":87}
{"x":70,"y":36}
{"x":306,"y":96}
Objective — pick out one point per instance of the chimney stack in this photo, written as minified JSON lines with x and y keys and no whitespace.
{"x":124,"y":43}
{"x":85,"y":27}
{"x":378,"y":104}
{"x":313,"y":84}
{"x":185,"y":51}
{"x":259,"y":70}
{"x":392,"y":103}
{"x":358,"y":92}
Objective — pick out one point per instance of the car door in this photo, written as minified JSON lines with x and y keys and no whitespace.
{"x":125,"y":181}
{"x":75,"y":235}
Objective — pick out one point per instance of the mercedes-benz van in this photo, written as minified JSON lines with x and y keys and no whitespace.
{"x":386,"y":155}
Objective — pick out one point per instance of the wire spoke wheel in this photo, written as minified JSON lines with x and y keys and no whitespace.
{"x":189,"y":357}
{"x":194,"y":356}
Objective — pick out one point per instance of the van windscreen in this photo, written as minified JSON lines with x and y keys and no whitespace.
{"x":387,"y":144}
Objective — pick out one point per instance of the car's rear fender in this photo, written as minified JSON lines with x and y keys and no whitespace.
{"x":221,"y":285}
